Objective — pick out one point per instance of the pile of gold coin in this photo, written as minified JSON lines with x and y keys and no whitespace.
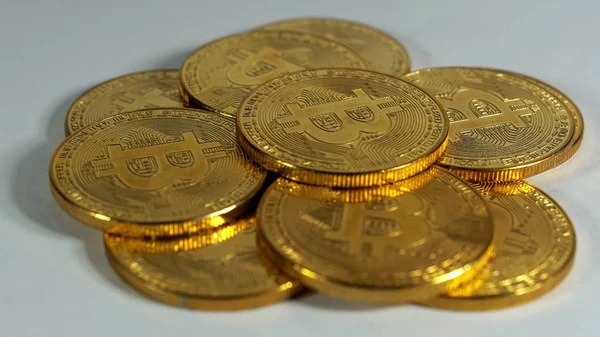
{"x":305,"y":154}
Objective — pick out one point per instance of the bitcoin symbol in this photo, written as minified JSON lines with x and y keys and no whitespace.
{"x":153,"y":98}
{"x":252,"y":69}
{"x":156,"y":166}
{"x":487,"y":110}
{"x":509,"y":231}
{"x":343,"y":121}
{"x":379,"y":225}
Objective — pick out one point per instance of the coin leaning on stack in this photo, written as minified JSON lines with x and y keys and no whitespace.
{"x":387,"y":186}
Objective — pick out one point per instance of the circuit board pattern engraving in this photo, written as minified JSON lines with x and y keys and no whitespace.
{"x":499,"y":120}
{"x":156,"y":166}
{"x":341,"y":121}
{"x":136,"y":91}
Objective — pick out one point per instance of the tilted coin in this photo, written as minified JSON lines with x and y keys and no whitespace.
{"x":503,"y":126}
{"x":156,"y":172}
{"x":135,"y":91}
{"x":220,"y":74}
{"x":535,"y":244}
{"x":380,"y":51}
{"x":198,"y":240}
{"x":342,"y":127}
{"x":400,"y":242}
{"x":577,"y":138}
{"x":231,"y":275}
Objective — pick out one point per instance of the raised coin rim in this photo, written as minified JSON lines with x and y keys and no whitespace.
{"x":152,"y":229}
{"x":522,"y":171}
{"x":191,"y":100}
{"x":502,"y":301}
{"x":383,"y":295}
{"x":338,"y":179}
{"x":69,"y":129}
{"x":216,"y":303}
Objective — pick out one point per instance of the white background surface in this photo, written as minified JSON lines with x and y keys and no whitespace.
{"x":54,"y":278}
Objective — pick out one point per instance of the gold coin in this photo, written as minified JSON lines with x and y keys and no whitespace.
{"x":221,"y":73}
{"x":142,"y":90}
{"x":410,"y":240}
{"x":179,"y":243}
{"x":503,"y":126}
{"x":535,"y":244}
{"x":380,"y":51}
{"x":577,"y":139}
{"x":231,"y":275}
{"x":155,"y":172}
{"x":342,"y":127}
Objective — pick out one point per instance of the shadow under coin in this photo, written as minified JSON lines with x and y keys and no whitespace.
{"x":56,"y":125}
{"x":30,"y":187}
{"x":31,"y":192}
{"x":322,"y":301}
{"x":175,"y":59}
{"x":579,"y":164}
{"x":95,"y":252}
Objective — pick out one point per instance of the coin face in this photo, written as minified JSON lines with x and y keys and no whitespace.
{"x":503,"y":126}
{"x":342,"y":127}
{"x":226,"y":276}
{"x":155,"y":172}
{"x":136,"y":91}
{"x":400,"y":242}
{"x":535,"y":242}
{"x":221,"y":73}
{"x":380,"y":51}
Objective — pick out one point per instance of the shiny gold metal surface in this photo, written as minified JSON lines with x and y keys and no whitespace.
{"x":218,"y":75}
{"x":503,"y":126}
{"x":577,"y":138}
{"x":380,"y":51}
{"x":156,"y":172}
{"x":407,"y":241}
{"x":179,"y":243}
{"x":135,"y":91}
{"x":342,"y":127}
{"x":535,"y":243}
{"x":231,"y":275}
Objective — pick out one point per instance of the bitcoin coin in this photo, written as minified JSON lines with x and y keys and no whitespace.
{"x":180,"y":243}
{"x":577,"y":139}
{"x":535,"y":244}
{"x":155,"y":172}
{"x":411,"y":240}
{"x":230,"y":275}
{"x":342,"y":127}
{"x":503,"y":126}
{"x":380,"y":51}
{"x":136,"y":91}
{"x":221,"y":73}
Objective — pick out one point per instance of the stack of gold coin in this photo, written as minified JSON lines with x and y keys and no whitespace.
{"x":385,"y":185}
